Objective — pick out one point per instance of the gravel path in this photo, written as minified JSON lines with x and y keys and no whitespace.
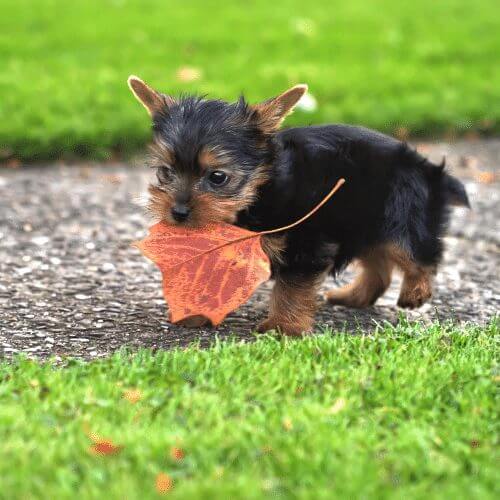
{"x":71,"y":284}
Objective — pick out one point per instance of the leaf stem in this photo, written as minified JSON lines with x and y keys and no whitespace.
{"x":309,"y":214}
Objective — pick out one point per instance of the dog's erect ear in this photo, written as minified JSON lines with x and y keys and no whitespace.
{"x":152,"y":100}
{"x":272,"y":112}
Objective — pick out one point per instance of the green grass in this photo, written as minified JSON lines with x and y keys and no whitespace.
{"x":428,"y":66}
{"x":413,"y":416}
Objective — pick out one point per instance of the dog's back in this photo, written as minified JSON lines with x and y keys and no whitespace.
{"x":392,"y":193}
{"x":392,"y":211}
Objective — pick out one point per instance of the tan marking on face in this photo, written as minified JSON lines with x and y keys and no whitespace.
{"x":161,"y":154}
{"x":207,"y":159}
{"x":160,"y":204}
{"x":212,"y":208}
{"x":213,"y":158}
{"x":206,"y":207}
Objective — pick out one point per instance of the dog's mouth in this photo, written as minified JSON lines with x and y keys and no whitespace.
{"x":197,"y":222}
{"x":192,"y":224}
{"x":195,"y":219}
{"x":202,"y":210}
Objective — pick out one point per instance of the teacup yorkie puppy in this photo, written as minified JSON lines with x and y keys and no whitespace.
{"x":228,"y":162}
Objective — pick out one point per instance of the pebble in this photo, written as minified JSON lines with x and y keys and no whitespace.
{"x":81,"y":296}
{"x":107,"y":267}
{"x":40,"y":240}
{"x":23,"y":270}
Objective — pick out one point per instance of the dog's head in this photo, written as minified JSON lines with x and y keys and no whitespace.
{"x":210,"y":156}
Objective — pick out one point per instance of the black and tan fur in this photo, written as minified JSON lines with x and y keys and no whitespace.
{"x":219,"y":161}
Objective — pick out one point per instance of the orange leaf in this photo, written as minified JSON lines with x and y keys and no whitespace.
{"x":132,"y":395}
{"x":177,"y":453}
{"x":164,"y":483}
{"x":207,"y":271}
{"x":105,"y":447}
{"x":212,"y":270}
{"x":101,"y":446}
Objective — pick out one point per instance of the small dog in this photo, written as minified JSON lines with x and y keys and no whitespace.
{"x":219,"y":161}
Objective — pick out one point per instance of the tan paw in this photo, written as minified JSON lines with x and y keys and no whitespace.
{"x":292,"y":330}
{"x":194,"y":322}
{"x":414,"y":298}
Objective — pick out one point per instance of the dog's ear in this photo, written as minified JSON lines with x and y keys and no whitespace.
{"x":152,"y":100}
{"x":271,"y":113}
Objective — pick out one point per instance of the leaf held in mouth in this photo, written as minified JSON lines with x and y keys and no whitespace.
{"x":210,"y":271}
{"x":207,"y":271}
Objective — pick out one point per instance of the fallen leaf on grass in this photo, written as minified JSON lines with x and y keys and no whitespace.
{"x":474,"y":443}
{"x":287,"y":424}
{"x":338,"y":406}
{"x":212,"y":270}
{"x":132,"y":395}
{"x":177,"y":453}
{"x":188,"y":74}
{"x":164,"y":483}
{"x":101,"y":446}
{"x":105,"y":447}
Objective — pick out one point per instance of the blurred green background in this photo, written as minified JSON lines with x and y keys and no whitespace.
{"x":420,"y":68}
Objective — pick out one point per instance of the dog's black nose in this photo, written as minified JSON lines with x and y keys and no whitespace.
{"x":180,"y":212}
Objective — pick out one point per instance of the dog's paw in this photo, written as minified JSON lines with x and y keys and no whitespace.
{"x":414,"y":298}
{"x":292,"y":330}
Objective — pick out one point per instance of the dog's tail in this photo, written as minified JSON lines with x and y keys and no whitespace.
{"x":449,"y":186}
{"x":455,"y":191}
{"x":452,"y":189}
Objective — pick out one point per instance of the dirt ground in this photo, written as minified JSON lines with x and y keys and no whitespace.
{"x":71,"y":284}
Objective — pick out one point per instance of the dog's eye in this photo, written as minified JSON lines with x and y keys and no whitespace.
{"x":218,"y":178}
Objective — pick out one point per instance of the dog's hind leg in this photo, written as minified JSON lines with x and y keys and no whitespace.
{"x":416,"y":288}
{"x":369,"y":285}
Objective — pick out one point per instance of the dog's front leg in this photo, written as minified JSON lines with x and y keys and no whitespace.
{"x":293,"y":303}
